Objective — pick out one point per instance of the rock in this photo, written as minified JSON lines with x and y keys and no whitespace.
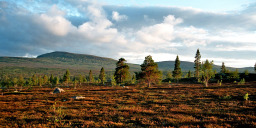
{"x":125,"y":87}
{"x":78,"y":97}
{"x":58,"y":90}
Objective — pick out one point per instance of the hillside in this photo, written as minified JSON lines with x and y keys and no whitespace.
{"x":57,"y":62}
{"x":185,"y":66}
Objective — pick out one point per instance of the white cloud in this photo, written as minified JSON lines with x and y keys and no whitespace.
{"x":117,"y":17}
{"x":27,"y":55}
{"x":57,"y":25}
{"x":55,"y":22}
{"x":233,"y":37}
{"x":163,"y":35}
{"x":159,"y":33}
{"x":232,"y":62}
{"x":190,"y":43}
{"x":55,"y":11}
{"x":235,"y":48}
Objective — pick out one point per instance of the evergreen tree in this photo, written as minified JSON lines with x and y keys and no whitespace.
{"x":234,"y":75}
{"x":5,"y":82}
{"x":66,"y":77}
{"x":51,"y":79}
{"x":29,"y":82}
{"x":85,"y":79}
{"x":75,"y":82}
{"x":246,"y":72}
{"x":122,"y":71}
{"x":189,"y":74}
{"x":45,"y":79}
{"x":133,"y":81}
{"x":255,"y":67}
{"x":149,"y":71}
{"x":81,"y":79}
{"x":40,"y":81}
{"x":34,"y":80}
{"x":21,"y":81}
{"x":169,"y":75}
{"x":56,"y":80}
{"x":197,"y":64}
{"x":177,"y":70}
{"x":102,"y":75}
{"x":15,"y":83}
{"x":91,"y":78}
{"x":223,"y":68}
{"x":207,"y":72}
{"x":113,"y":81}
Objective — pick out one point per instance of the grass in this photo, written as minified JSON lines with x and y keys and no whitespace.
{"x":182,"y":105}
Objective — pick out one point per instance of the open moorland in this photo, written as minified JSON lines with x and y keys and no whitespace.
{"x":168,"y":105}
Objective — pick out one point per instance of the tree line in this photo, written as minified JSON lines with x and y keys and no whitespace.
{"x":148,"y":75}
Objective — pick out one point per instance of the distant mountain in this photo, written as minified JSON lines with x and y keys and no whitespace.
{"x":186,"y":66}
{"x":169,"y":65}
{"x":57,"y":62}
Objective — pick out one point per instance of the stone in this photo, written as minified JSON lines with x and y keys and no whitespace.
{"x":78,"y":97}
{"x":58,"y":90}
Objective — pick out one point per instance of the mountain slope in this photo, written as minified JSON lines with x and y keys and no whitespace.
{"x":57,"y":62}
{"x":185,"y":66}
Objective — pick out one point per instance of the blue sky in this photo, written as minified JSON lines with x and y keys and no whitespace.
{"x":223,"y":30}
{"x":207,"y":5}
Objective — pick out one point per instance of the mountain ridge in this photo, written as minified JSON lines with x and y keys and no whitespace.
{"x":82,"y":63}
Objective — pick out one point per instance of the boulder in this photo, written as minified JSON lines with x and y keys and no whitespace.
{"x":58,"y":90}
{"x":78,"y":97}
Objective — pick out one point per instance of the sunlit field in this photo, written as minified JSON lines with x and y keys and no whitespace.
{"x":168,"y":105}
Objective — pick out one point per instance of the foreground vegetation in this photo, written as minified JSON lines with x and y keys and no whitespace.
{"x":175,"y":105}
{"x":203,"y":98}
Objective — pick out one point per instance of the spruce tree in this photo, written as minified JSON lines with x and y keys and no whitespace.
{"x":234,"y":75}
{"x":223,"y":68}
{"x":113,"y":81}
{"x":81,"y":79}
{"x":177,"y":70}
{"x":34,"y":80}
{"x":6,"y":81}
{"x":45,"y":79}
{"x":122,"y":71}
{"x":75,"y":81}
{"x":21,"y":81}
{"x":169,"y":75}
{"x":255,"y":67}
{"x":51,"y":79}
{"x":91,"y":78}
{"x":246,"y":72}
{"x":149,"y":71}
{"x":133,"y":81}
{"x":56,"y":80}
{"x":15,"y":83}
{"x":40,"y":81}
{"x":197,"y":64}
{"x":66,"y":77}
{"x":102,"y":75}
{"x":189,"y":74}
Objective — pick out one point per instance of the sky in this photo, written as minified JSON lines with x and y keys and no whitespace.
{"x":223,"y":30}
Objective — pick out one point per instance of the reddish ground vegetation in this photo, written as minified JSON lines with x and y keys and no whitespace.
{"x":176,"y":105}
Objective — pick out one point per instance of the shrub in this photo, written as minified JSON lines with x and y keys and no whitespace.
{"x":242,"y":82}
{"x":219,"y":82}
{"x":58,"y":114}
{"x":246,"y":96}
{"x":227,"y":97}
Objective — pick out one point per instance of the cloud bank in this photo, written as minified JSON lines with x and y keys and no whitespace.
{"x":32,"y":28}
